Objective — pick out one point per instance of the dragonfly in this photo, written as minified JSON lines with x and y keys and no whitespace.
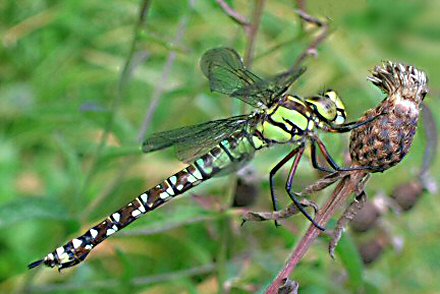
{"x":222,"y":146}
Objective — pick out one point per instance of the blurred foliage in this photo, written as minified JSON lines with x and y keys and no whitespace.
{"x":60,"y":71}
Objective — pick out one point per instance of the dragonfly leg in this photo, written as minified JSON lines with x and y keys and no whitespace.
{"x":292,"y":194}
{"x":332,"y":162}
{"x":347,"y":127}
{"x":315,"y":163}
{"x":275,"y":169}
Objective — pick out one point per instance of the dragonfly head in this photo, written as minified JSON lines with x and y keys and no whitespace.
{"x":328,"y":106}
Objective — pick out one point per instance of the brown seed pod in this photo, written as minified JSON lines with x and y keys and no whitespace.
{"x":366,"y":218}
{"x":407,"y":195}
{"x":385,"y":141}
{"x":372,"y":249}
{"x":246,"y":192}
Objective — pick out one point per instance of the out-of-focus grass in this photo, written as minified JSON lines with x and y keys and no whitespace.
{"x":60,"y":63}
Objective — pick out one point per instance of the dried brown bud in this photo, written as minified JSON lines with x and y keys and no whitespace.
{"x":385,"y":141}
{"x":406,"y":195}
{"x":366,"y":218}
{"x":371,"y":250}
{"x":247,"y":188}
{"x":245,"y":193}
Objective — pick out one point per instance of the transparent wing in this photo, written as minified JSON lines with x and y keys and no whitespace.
{"x":193,"y":141}
{"x":271,"y":90}
{"x":227,"y":74}
{"x":281,"y":82}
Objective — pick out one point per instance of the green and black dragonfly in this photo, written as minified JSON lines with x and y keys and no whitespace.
{"x":221,"y":146}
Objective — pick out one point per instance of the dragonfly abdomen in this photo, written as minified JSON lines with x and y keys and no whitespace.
{"x":230,"y":152}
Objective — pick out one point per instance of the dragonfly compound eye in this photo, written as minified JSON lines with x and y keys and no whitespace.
{"x":323,"y":107}
{"x":340,"y":107}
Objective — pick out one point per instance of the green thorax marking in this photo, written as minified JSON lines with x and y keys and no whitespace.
{"x":287,"y":121}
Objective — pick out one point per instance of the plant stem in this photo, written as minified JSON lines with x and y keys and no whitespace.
{"x":340,"y":195}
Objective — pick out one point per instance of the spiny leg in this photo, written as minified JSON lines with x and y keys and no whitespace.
{"x":315,"y":163}
{"x":275,"y":169}
{"x":322,"y":183}
{"x":331,"y":161}
{"x":292,"y":195}
{"x":292,"y":209}
{"x":347,"y":127}
{"x":325,"y":153}
{"x":260,"y":216}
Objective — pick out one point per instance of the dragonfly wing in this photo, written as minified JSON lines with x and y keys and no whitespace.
{"x":226,"y":74}
{"x":193,"y":141}
{"x":271,"y":91}
{"x":217,"y":59}
{"x":281,"y":82}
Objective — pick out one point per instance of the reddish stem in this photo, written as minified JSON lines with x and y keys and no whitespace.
{"x":340,"y":195}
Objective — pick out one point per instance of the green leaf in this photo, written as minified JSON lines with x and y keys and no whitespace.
{"x":22,"y":210}
{"x":181,"y":215}
{"x":352,"y":261}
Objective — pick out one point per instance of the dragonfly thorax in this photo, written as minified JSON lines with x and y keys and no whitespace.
{"x":292,"y":117}
{"x":287,"y":121}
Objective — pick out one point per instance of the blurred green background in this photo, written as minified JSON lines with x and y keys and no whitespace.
{"x":60,"y":85}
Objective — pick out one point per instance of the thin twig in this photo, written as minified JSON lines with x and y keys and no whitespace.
{"x":170,"y":226}
{"x":301,"y":4}
{"x":125,"y":75}
{"x":234,"y":15}
{"x":279,"y":214}
{"x":252,"y":33}
{"x":156,"y":97}
{"x":342,"y":192}
{"x":431,"y":135}
{"x":291,"y":210}
{"x":139,"y":281}
{"x":147,"y":120}
{"x":349,"y":214}
{"x":311,"y":50}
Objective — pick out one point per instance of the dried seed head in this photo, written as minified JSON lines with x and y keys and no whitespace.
{"x":400,"y":81}
{"x":385,"y":141}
